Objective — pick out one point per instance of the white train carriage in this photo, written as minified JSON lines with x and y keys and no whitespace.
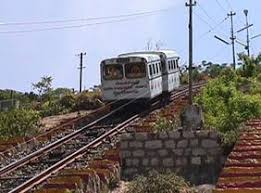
{"x":134,"y":76}
{"x":169,"y":67}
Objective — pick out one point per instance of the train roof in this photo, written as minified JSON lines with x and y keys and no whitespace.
{"x":146,"y":56}
{"x":165,"y":53}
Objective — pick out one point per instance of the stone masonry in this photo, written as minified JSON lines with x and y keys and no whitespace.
{"x":195,"y":155}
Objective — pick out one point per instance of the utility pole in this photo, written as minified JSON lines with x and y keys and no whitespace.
{"x":81,"y":69}
{"x":233,"y":38}
{"x":248,"y":41}
{"x":190,"y":5}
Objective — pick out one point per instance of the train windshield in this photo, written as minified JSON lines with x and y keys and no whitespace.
{"x":113,"y":72}
{"x":135,"y":70}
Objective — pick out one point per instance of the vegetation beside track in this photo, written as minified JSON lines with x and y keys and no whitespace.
{"x":18,"y":123}
{"x":232,"y":98}
{"x":24,"y":121}
{"x":156,"y":182}
{"x":165,"y":124}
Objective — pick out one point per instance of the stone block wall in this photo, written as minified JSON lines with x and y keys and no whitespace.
{"x":195,"y":155}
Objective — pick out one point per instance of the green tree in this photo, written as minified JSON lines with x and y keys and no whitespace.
{"x":251,"y":65}
{"x":44,"y":86}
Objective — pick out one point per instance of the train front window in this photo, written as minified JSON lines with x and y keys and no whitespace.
{"x":113,"y":72}
{"x":135,"y":70}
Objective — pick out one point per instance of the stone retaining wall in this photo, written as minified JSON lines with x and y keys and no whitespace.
{"x":195,"y":155}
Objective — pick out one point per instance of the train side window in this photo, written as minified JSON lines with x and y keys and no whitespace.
{"x":150,"y":69}
{"x":154,"y":70}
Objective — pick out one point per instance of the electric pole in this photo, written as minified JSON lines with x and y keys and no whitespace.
{"x":190,"y":5}
{"x":248,"y":41}
{"x":233,"y":38}
{"x":81,"y":69}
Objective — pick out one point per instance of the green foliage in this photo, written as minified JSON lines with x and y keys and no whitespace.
{"x":214,"y":70}
{"x":196,"y":77}
{"x":18,"y":123}
{"x":184,"y":79}
{"x":68,"y":101}
{"x":258,"y":78}
{"x":251,"y":65}
{"x":44,"y":87}
{"x":157,"y":182}
{"x":164,"y":124}
{"x":226,"y":106}
{"x":51,"y":108}
{"x":5,"y":95}
{"x":71,"y":102}
{"x":88,"y":100}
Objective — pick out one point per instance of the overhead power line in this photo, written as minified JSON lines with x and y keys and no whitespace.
{"x":75,"y":26}
{"x":229,"y":5}
{"x":83,"y":19}
{"x":206,"y":13}
{"x":221,"y":7}
{"x":203,"y":20}
{"x":215,"y":27}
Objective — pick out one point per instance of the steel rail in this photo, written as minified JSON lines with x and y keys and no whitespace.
{"x":63,"y":163}
{"x":11,"y":167}
{"x":71,"y":122}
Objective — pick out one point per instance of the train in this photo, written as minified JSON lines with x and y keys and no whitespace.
{"x":140,"y":76}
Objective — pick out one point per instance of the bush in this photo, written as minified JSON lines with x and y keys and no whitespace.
{"x":164,"y":124}
{"x":88,"y":101}
{"x":226,"y":107}
{"x":52,"y":108}
{"x":68,"y":101}
{"x":258,"y":78}
{"x":157,"y":182}
{"x":18,"y":123}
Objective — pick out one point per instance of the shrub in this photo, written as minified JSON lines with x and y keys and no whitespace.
{"x":226,"y":107}
{"x":51,"y":108}
{"x":258,"y":78}
{"x":184,"y":79}
{"x":164,"y":124}
{"x":88,"y":101}
{"x":68,"y":101}
{"x":19,"y":123}
{"x":157,"y":182}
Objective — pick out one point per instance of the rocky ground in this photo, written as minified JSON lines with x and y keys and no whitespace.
{"x":53,"y":121}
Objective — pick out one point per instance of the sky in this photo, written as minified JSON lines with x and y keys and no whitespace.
{"x":30,"y":51}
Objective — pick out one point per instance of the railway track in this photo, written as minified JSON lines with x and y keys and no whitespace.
{"x":24,"y":174}
{"x":23,"y":149}
{"x":20,"y":171}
